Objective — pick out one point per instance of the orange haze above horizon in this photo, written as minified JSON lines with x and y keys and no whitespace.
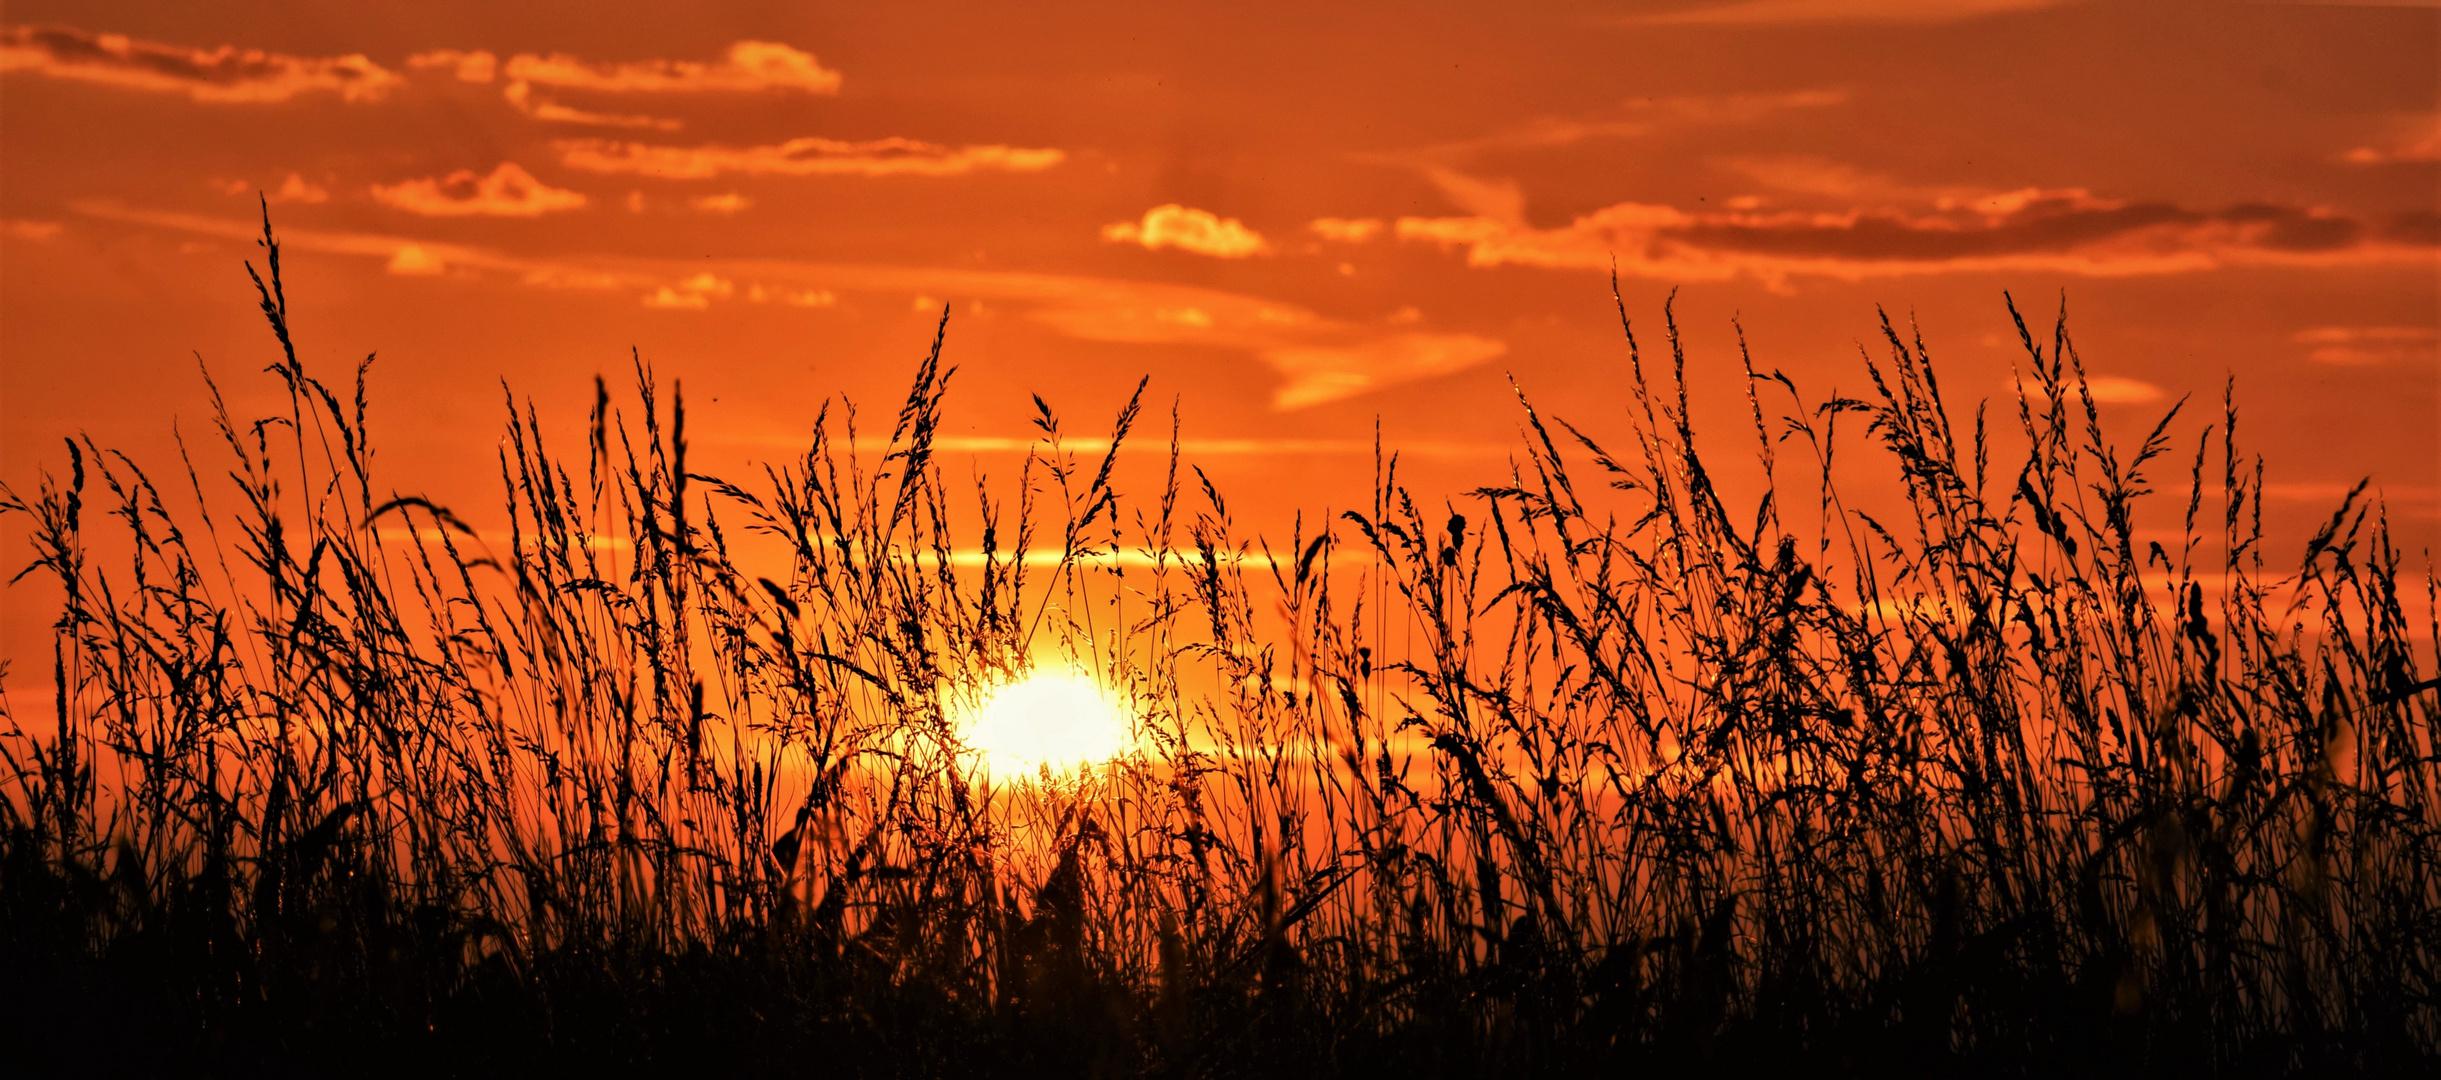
{"x":1297,"y":223}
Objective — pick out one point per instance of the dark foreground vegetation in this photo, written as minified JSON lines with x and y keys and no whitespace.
{"x":1587,"y":774}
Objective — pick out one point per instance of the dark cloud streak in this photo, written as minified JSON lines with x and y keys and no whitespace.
{"x":225,"y":74}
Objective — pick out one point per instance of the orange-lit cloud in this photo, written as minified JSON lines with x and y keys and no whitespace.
{"x":40,"y":232}
{"x":2417,"y":139}
{"x":1495,"y":200}
{"x":696,"y":293}
{"x":1323,"y":373}
{"x":1317,"y":359}
{"x":2067,"y":231}
{"x":1633,"y":119}
{"x":748,"y":66}
{"x":1199,"y":232}
{"x":808,"y":156}
{"x":295,"y":189}
{"x":509,"y":191}
{"x":2363,"y":345}
{"x":2105,"y":389}
{"x":521,"y":98}
{"x":729,"y":202}
{"x":1346,"y":230}
{"x":477,"y":66}
{"x":1088,"y":444}
{"x":1802,"y":174}
{"x":1769,"y":12}
{"x":411,"y":260}
{"x":676,"y":299}
{"x":808,"y":298}
{"x":225,"y":74}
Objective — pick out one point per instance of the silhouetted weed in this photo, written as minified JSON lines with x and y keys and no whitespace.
{"x":1582,"y":773}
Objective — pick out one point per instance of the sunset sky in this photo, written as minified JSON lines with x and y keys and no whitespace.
{"x":1296,"y":219}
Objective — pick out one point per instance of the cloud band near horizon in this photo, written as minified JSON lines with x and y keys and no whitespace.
{"x":808,"y":156}
{"x":2066,"y":231}
{"x":1318,"y":359}
{"x":225,"y":75}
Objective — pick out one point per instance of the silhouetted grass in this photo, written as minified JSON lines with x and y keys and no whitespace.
{"x":1580,"y":774}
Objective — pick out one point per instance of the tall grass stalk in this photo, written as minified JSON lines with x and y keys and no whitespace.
{"x":1585,"y":771}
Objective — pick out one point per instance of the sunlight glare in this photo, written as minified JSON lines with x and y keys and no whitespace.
{"x":1059,"y":720}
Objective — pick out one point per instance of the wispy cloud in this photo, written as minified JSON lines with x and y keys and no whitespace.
{"x":748,"y":66}
{"x":2105,"y":389}
{"x":695,"y":293}
{"x":477,"y":66}
{"x":1199,"y":232}
{"x":1323,"y":373}
{"x":1804,"y":174}
{"x":335,"y":243}
{"x":522,"y":98}
{"x":1446,"y":164}
{"x":2416,"y":138}
{"x":760,"y":293}
{"x":227,"y":74}
{"x":509,"y":191}
{"x":2357,"y":346}
{"x":40,"y":232}
{"x":1637,"y":118}
{"x":808,"y":156}
{"x":1773,"y":12}
{"x":295,"y":189}
{"x":727,"y":202}
{"x":1411,"y":448}
{"x":1346,"y":230}
{"x":1494,"y":200}
{"x":1317,"y":359}
{"x":676,"y":299}
{"x":411,"y":260}
{"x":2064,"y":230}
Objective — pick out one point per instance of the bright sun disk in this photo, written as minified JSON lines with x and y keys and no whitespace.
{"x":1060,"y":720}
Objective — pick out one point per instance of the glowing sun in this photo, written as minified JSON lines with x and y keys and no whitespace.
{"x":1060,"y":720}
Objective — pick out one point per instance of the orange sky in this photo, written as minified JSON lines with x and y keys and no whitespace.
{"x":1295,"y":221}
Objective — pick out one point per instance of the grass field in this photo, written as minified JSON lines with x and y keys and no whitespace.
{"x":1587,"y":773}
